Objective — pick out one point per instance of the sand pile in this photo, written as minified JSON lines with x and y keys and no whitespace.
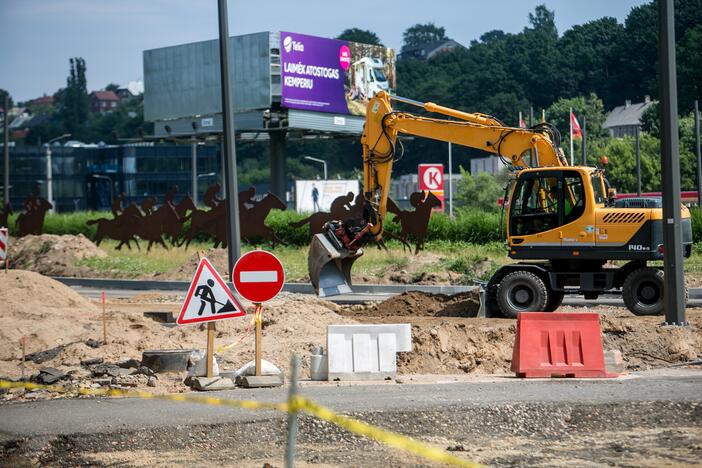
{"x":58,"y":320}
{"x":50,"y":254}
{"x":446,"y":341}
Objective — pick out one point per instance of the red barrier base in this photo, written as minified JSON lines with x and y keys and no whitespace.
{"x":558,"y":345}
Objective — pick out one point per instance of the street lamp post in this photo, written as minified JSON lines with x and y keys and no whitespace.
{"x":319,"y":161}
{"x":49,"y":170}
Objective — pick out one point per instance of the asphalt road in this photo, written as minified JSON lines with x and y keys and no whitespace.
{"x":104,"y":415}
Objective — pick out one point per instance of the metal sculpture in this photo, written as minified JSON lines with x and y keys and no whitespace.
{"x":414,"y":223}
{"x":252,"y":216}
{"x":31,"y":221}
{"x":340,"y":208}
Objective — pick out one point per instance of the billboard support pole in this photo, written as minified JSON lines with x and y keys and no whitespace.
{"x":674,"y":284}
{"x":699,"y":154}
{"x":228,"y":141}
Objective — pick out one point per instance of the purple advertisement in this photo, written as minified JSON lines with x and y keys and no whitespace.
{"x":329,"y":75}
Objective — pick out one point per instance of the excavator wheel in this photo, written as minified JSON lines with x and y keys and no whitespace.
{"x":522,"y":291}
{"x":642,"y":291}
{"x":555,"y":299}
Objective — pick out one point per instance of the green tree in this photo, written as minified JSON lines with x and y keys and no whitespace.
{"x":4,"y":93}
{"x":621,"y":169}
{"x":591,"y":107}
{"x":363,"y":36}
{"x":73,"y":99}
{"x":112,"y":87}
{"x":480,"y":191}
{"x":421,"y":34}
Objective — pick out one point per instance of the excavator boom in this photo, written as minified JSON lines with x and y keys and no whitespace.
{"x":332,"y":253}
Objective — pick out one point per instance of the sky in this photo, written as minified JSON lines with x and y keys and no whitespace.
{"x":37,"y":37}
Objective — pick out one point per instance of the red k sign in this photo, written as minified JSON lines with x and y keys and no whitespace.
{"x":431,"y":178}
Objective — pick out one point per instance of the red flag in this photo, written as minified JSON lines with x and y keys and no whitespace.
{"x":522,"y":123}
{"x":577,"y":132}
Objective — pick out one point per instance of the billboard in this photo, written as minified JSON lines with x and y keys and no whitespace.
{"x":431,"y":178}
{"x":330,"y":75}
{"x":326,"y":192}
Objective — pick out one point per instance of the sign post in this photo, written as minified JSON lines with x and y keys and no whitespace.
{"x":258,"y":276}
{"x":431,"y":178}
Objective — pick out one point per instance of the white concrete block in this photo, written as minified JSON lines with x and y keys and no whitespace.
{"x":387,"y":352}
{"x":366,"y":351}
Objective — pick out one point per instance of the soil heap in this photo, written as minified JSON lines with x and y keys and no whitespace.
{"x":49,"y":254}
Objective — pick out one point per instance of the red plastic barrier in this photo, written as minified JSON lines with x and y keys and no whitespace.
{"x":549,"y":344}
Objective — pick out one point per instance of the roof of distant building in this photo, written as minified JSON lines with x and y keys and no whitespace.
{"x":628,"y":114}
{"x":42,"y":100}
{"x":105,"y":95}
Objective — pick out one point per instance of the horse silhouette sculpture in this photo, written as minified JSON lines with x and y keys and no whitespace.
{"x":252,"y":216}
{"x":5,"y":215}
{"x":414,"y":223}
{"x":121,"y":228}
{"x":31,"y":221}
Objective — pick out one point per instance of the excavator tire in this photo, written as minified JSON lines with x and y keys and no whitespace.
{"x":522,"y":291}
{"x":555,"y":299}
{"x":642,"y":291}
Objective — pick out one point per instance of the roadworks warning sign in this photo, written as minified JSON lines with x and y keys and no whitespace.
{"x":208,"y":298}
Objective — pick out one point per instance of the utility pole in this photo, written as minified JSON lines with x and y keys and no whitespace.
{"x":228,"y":141}
{"x":674,"y":290}
{"x":6,"y":151}
{"x":638,"y":160}
{"x":584,"y":141}
{"x":699,"y":155}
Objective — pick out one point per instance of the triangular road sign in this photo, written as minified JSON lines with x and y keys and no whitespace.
{"x":208,"y":298}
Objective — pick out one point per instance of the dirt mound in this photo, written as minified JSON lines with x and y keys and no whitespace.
{"x":49,"y":313}
{"x":419,"y":304}
{"x":446,"y":341}
{"x":63,"y":330}
{"x":49,"y":254}
{"x":184,"y":272}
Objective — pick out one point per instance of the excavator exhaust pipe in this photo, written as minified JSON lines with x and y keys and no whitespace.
{"x":330,"y":267}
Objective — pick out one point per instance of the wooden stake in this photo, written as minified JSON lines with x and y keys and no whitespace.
{"x":23,"y":342}
{"x":104,"y":321}
{"x":259,"y":338}
{"x":210,"y":348}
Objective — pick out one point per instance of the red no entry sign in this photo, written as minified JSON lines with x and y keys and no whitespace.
{"x":258,"y":276}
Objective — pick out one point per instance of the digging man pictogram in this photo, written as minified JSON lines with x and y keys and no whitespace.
{"x":204,"y":292}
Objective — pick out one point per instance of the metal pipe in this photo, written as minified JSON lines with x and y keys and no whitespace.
{"x":674,"y":283}
{"x":450,"y":184}
{"x":638,"y":160}
{"x":6,"y":150}
{"x":699,"y":155}
{"x":228,"y":143}
{"x":319,"y":161}
{"x":584,"y":141}
{"x":292,"y":413}
{"x":50,"y":171}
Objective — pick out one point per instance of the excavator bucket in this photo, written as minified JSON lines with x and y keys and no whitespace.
{"x":330,"y":267}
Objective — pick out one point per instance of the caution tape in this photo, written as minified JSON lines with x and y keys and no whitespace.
{"x":295,"y":404}
{"x":256,"y":317}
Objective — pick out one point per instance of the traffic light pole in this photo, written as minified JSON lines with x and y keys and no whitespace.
{"x":674,"y":290}
{"x":228,"y":145}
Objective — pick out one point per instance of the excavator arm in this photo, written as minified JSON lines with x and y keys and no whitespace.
{"x":332,"y":253}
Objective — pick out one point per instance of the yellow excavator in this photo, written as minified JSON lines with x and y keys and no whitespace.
{"x":561,"y":220}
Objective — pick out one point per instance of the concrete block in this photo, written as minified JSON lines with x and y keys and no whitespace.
{"x":614,"y":363}
{"x":261,"y":381}
{"x":366,"y":352}
{"x":212,"y":383}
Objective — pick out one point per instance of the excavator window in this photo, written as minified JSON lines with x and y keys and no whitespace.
{"x":544,"y":201}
